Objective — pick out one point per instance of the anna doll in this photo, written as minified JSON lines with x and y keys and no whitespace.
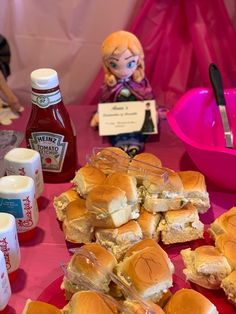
{"x":123,"y":64}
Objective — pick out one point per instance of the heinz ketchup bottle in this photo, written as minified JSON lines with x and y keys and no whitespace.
{"x":49,"y":130}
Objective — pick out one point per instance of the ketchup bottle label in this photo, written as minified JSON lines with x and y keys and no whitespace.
{"x":52,"y":149}
{"x":44,"y":101}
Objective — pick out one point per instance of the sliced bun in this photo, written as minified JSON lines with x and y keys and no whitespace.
{"x":39,"y":307}
{"x":181,"y":225}
{"x":228,"y":284}
{"x":226,"y":223}
{"x":186,"y":301}
{"x":227,"y":246}
{"x":88,"y":302}
{"x":149,"y":224}
{"x":118,"y":240}
{"x":126,"y":183}
{"x":60,"y":202}
{"x":87,"y":178}
{"x":148,"y":269}
{"x":77,"y":225}
{"x":108,"y":206}
{"x":205,"y":266}
{"x":195,"y":189}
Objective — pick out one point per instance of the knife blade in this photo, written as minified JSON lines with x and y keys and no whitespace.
{"x":216,"y":81}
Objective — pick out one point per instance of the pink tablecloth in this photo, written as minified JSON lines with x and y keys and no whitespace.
{"x":41,"y":257}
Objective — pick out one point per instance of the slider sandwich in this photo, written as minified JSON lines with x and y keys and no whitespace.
{"x":226,"y":223}
{"x":189,"y":301}
{"x":87,"y":178}
{"x":91,"y":302}
{"x":147,"y":269}
{"x":128,"y":184}
{"x":60,"y":202}
{"x":111,"y":159}
{"x":118,"y":240}
{"x":77,"y":225}
{"x":108,"y":206}
{"x":39,"y":307}
{"x":228,"y":284}
{"x":88,"y":268}
{"x":226,"y":244}
{"x":195,"y":189}
{"x":205,"y":266}
{"x":143,"y":164}
{"x":133,"y":306}
{"x":149,"y":222}
{"x":181,"y":225}
{"x":160,"y":195}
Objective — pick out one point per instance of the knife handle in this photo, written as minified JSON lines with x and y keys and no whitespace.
{"x":216,"y":82}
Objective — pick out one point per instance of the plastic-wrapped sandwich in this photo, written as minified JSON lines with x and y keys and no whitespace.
{"x":82,"y":274}
{"x":205,"y":266}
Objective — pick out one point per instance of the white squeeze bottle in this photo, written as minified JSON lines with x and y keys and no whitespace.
{"x":5,"y":288}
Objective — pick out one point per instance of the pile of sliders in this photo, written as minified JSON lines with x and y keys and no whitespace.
{"x":118,"y":210}
{"x":214,"y":267}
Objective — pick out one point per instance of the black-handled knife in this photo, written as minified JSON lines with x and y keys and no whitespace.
{"x":216,"y":82}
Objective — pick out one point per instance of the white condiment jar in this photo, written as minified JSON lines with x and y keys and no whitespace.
{"x":17,"y":197}
{"x":5,"y":288}
{"x":25,"y":162}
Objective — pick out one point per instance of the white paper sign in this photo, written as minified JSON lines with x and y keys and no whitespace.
{"x":126,"y":117}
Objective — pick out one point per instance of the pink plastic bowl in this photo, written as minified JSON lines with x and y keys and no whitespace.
{"x":196,"y":120}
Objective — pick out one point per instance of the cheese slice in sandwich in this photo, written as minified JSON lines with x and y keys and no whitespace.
{"x":205,"y":266}
{"x":118,"y":240}
{"x":195,"y":189}
{"x":60,"y":202}
{"x":181,"y":225}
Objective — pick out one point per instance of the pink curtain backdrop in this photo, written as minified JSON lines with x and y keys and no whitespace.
{"x":180,"y":39}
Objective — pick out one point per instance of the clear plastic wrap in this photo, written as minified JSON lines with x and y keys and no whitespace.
{"x":81,"y":280}
{"x":110,"y":161}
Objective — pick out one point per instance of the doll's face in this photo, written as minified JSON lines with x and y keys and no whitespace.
{"x":123,"y":65}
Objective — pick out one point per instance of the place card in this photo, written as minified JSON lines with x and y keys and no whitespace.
{"x":126,"y":117}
